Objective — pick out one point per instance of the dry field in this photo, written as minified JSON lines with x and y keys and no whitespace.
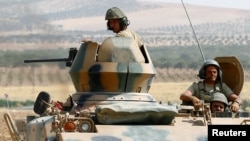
{"x":165,"y":92}
{"x":174,"y":14}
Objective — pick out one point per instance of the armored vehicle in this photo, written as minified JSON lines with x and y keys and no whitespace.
{"x":112,"y":100}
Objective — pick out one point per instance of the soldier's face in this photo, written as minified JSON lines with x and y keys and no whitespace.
{"x":114,"y":25}
{"x":211,"y":73}
{"x":217,"y":106}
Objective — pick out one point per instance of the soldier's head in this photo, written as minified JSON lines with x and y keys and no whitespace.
{"x":218,"y":102}
{"x":210,"y":70}
{"x":116,"y":20}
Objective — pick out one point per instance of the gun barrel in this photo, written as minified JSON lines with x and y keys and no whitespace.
{"x":46,"y":60}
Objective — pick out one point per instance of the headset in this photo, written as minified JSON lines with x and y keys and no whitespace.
{"x":124,"y":22}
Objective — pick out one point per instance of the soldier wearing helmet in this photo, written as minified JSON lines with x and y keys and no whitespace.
{"x":218,"y":102}
{"x":118,"y":22}
{"x":210,"y":83}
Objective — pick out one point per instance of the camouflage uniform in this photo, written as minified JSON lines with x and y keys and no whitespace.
{"x":205,"y":91}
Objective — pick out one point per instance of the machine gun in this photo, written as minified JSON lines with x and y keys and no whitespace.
{"x":69,"y":60}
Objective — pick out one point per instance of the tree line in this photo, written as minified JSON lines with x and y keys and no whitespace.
{"x":188,"y":57}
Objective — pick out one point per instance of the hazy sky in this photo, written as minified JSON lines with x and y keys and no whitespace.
{"x":239,"y":4}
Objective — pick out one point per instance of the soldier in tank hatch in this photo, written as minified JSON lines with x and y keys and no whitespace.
{"x":211,"y":82}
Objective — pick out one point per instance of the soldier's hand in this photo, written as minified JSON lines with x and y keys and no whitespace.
{"x":235,"y":106}
{"x":86,"y":40}
{"x":197,"y":103}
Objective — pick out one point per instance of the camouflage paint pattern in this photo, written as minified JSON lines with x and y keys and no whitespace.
{"x":117,"y":65}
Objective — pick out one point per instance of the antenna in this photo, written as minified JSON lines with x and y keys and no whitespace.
{"x":193,"y":30}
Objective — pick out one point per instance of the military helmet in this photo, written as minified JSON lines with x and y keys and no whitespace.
{"x":202,"y":71}
{"x":114,"y":13}
{"x":219,"y":97}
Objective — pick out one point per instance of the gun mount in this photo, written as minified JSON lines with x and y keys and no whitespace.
{"x":69,"y":60}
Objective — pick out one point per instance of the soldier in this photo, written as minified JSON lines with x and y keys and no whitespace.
{"x":118,"y":22}
{"x":211,"y":74}
{"x":218,"y":102}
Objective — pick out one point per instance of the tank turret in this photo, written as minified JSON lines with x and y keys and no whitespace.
{"x":117,"y":65}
